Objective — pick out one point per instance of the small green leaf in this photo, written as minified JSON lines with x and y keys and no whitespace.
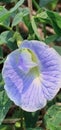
{"x":7,"y":38}
{"x":31,"y":118}
{"x":59,"y":97}
{"x":35,"y":28}
{"x":5,"y":104}
{"x":19,"y":3}
{"x":2,"y":60}
{"x":25,"y":11}
{"x":1,"y":52}
{"x":53,"y":118}
{"x":18,"y":18}
{"x":42,"y":15}
{"x":55,"y":19}
{"x":58,"y":49}
{"x":51,"y":38}
{"x":1,"y":83}
{"x":18,"y":38}
{"x":52,"y":5}
{"x":4,"y":37}
{"x":4,"y":14}
{"x":44,"y":2}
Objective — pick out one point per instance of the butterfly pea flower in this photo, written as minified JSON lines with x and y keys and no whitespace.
{"x":32,"y":75}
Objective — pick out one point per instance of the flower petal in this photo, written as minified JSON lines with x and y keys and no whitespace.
{"x":32,"y":75}
{"x":25,"y":61}
{"x":50,"y":66}
{"x":22,"y":88}
{"x":33,"y":99}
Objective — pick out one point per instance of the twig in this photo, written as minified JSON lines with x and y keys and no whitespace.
{"x":30,"y":7}
{"x":49,"y":29}
{"x":11,"y":121}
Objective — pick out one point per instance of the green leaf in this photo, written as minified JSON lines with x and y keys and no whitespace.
{"x":19,"y":3}
{"x":18,"y":18}
{"x":1,"y":83}
{"x":5,"y":1}
{"x":53,"y":118}
{"x":44,"y":2}
{"x":52,"y":5}
{"x":59,"y":97}
{"x":4,"y":14}
{"x":25,"y":11}
{"x":58,"y":49}
{"x":12,"y":44}
{"x":55,"y":21}
{"x":2,"y":60}
{"x":18,"y":38}
{"x":42,"y":15}
{"x":1,"y":52}
{"x":5,"y":127}
{"x":57,"y":18}
{"x":5,"y":104}
{"x":30,"y":118}
{"x":50,"y":39}
{"x":35,"y":28}
{"x":5,"y":36}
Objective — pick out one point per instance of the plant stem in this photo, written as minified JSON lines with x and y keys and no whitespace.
{"x":11,"y":121}
{"x":36,"y":5}
{"x":30,"y":7}
{"x":17,"y":28}
{"x":44,"y":30}
{"x":21,"y":120}
{"x":13,"y":127}
{"x":8,"y":28}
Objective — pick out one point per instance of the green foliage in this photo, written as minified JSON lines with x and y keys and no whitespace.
{"x":5,"y":36}
{"x":55,"y":19}
{"x":35,"y":28}
{"x":1,"y":83}
{"x":1,"y":52}
{"x":58,"y":49}
{"x":51,"y":4}
{"x":5,"y":104}
{"x":5,"y":1}
{"x":4,"y":14}
{"x":50,"y":39}
{"x":31,"y":118}
{"x":34,"y":129}
{"x":53,"y":118}
{"x":44,"y":2}
{"x":19,"y":16}
{"x":19,"y":3}
{"x":52,"y":18}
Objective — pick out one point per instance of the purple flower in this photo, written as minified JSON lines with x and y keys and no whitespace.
{"x":32,"y":75}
